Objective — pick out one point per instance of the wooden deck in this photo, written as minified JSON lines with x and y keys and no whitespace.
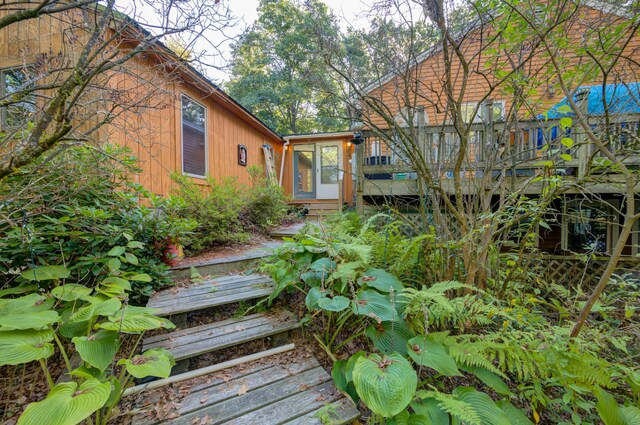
{"x":211,"y":293}
{"x":283,"y":389}
{"x":194,"y":341}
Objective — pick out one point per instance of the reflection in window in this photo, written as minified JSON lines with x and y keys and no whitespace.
{"x":305,"y":172}
{"x":329,"y":164}
{"x":587,"y":227}
{"x":194,"y":158}
{"x":17,"y":82}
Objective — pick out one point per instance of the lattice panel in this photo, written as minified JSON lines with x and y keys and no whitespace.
{"x":572,"y":271}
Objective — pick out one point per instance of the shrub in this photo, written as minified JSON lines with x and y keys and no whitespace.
{"x":215,"y":207}
{"x":225,"y":211}
{"x":265,"y":204}
{"x":79,"y":210}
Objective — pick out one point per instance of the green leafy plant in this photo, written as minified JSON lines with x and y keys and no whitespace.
{"x":66,"y":317}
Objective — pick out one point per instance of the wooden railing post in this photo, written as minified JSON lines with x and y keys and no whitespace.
{"x":359,"y":178}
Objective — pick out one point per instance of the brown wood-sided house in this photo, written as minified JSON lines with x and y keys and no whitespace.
{"x":171,"y":116}
{"x":507,"y":139}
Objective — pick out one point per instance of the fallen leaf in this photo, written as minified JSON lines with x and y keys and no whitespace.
{"x":243,"y":389}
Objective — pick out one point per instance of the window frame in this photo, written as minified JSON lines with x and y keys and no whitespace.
{"x":3,"y":111}
{"x":206,"y":141}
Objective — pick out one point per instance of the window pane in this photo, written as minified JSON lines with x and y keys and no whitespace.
{"x":329,"y":164}
{"x":16,"y":81}
{"x":587,"y":228}
{"x":305,"y":172}
{"x":193,"y":137}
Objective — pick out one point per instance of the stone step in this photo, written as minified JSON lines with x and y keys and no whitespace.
{"x":210,"y":293}
{"x":281,"y":389}
{"x":191,"y":342}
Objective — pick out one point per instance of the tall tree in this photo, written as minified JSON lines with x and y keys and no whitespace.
{"x":279,"y":72}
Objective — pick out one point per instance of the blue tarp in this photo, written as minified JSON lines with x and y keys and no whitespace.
{"x":621,"y":98}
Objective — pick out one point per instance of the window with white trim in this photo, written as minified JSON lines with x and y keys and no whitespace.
{"x":467,"y":110}
{"x":16,"y":82}
{"x":194,"y":137}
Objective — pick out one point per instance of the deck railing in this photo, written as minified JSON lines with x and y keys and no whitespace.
{"x":520,"y":146}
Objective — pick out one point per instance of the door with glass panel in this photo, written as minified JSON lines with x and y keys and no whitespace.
{"x":304,"y":172}
{"x":328,"y":171}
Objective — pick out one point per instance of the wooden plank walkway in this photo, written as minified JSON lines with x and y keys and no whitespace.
{"x":211,"y":293}
{"x":191,"y":342}
{"x":227,"y":263}
{"x":282,"y":389}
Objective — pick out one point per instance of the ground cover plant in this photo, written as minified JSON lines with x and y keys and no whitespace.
{"x":419,"y":350}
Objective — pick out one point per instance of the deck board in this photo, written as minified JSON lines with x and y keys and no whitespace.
{"x":209,"y":294}
{"x":282,"y":389}
{"x":202,"y":339}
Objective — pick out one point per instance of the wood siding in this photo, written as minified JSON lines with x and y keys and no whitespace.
{"x":149,"y":89}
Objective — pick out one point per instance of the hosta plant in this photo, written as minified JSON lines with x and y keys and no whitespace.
{"x":62,"y":318}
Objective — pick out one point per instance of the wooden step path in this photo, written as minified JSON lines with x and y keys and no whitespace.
{"x":283,"y":389}
{"x":194,"y":341}
{"x":228,"y":263}
{"x":211,"y":293}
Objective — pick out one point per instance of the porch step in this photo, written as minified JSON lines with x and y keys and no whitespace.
{"x":281,"y":389}
{"x":226,"y":264}
{"x":211,"y":293}
{"x":191,"y":342}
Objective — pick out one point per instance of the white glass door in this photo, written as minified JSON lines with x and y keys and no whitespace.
{"x":328,"y":173}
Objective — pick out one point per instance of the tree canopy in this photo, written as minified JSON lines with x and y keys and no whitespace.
{"x":278,"y":69}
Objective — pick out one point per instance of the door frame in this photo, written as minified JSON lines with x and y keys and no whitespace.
{"x":304,"y":148}
{"x":339,"y":166}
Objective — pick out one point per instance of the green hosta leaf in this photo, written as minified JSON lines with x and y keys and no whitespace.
{"x":388,"y":337}
{"x":381,"y":280}
{"x":346,"y":386}
{"x":611,"y":413}
{"x":487,"y":410}
{"x":375,"y":305}
{"x":312,"y":298}
{"x":323,"y":265}
{"x":67,"y":404}
{"x":28,"y":320}
{"x":385,"y":384}
{"x":337,"y":303}
{"x":16,"y":290}
{"x":406,"y":418}
{"x":631,"y":415}
{"x":86,"y":372}
{"x":490,"y":379}
{"x":99,"y":308}
{"x":131,"y":322}
{"x":314,"y":278}
{"x":426,"y":352}
{"x":18,"y":347}
{"x":70,"y":292}
{"x":430,"y":408}
{"x":155,"y":362}
{"x":98,"y":349}
{"x":28,"y":303}
{"x":46,"y":273}
{"x":516,"y":416}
